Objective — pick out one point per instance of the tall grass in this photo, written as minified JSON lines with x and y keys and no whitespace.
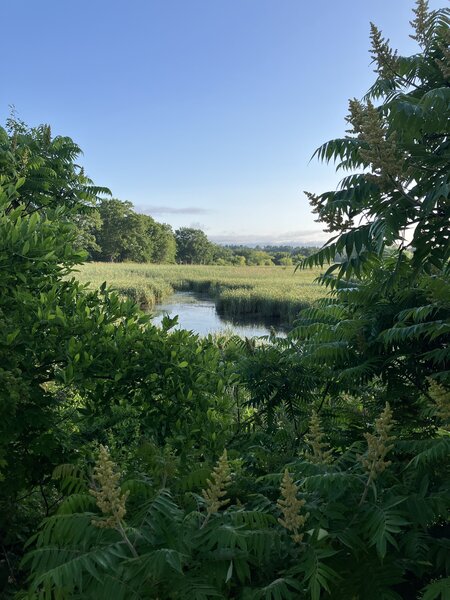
{"x":275,"y":292}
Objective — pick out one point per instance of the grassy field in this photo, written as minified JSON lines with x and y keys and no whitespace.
{"x":275,"y":292}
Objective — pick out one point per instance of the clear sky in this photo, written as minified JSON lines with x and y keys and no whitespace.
{"x":201,"y":112}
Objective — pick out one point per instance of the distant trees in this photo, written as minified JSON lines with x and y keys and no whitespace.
{"x":121,"y":233}
{"x":127,"y":235}
{"x":259,"y":257}
{"x":270,"y":255}
{"x":114,"y":231}
{"x":193,"y":246}
{"x":223,"y":256}
{"x":109,"y":229}
{"x":164,"y":245}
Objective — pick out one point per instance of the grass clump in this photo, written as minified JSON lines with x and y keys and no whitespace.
{"x":274,"y":292}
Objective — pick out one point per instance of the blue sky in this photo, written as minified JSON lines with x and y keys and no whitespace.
{"x":201,"y":112}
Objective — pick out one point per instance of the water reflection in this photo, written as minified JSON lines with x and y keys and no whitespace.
{"x":197,"y":312}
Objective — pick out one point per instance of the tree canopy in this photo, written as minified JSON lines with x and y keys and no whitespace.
{"x":193,"y":246}
{"x":400,"y":196}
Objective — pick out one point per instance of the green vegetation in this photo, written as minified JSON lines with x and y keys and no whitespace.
{"x":193,"y":247}
{"x":142,"y":462}
{"x":112,"y":231}
{"x":276,"y":292}
{"x":122,"y":234}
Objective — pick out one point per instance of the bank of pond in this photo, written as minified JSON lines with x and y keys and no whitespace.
{"x":249,"y":301}
{"x":198,"y":313}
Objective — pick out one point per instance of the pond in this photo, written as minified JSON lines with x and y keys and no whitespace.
{"x":197,"y":313}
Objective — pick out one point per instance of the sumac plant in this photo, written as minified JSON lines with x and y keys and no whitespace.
{"x":366,"y":522}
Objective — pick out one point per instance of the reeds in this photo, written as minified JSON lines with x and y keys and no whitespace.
{"x":272,"y":292}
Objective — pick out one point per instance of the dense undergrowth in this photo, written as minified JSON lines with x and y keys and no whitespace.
{"x":353,"y":524}
{"x":148,"y":463}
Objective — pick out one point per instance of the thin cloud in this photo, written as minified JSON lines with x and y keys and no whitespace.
{"x":172,"y":210}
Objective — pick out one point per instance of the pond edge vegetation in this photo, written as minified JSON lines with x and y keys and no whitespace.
{"x":276,"y":293}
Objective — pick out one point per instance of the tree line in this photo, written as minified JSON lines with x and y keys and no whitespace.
{"x":113,"y":231}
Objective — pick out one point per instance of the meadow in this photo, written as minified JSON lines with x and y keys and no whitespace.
{"x":272,"y":292}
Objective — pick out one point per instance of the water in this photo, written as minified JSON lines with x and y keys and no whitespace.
{"x":197,"y":313}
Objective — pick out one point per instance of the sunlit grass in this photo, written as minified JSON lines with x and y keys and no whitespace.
{"x":267,"y":291}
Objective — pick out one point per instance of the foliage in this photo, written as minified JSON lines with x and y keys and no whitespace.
{"x":115,"y":232}
{"x":121,"y":235}
{"x":335,"y":481}
{"x":279,"y":255}
{"x":46,"y":168}
{"x":127,"y":235}
{"x":70,"y":355}
{"x":388,"y":315}
{"x":164,"y":246}
{"x":401,"y":195}
{"x":258,"y":546}
{"x":193,"y":247}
